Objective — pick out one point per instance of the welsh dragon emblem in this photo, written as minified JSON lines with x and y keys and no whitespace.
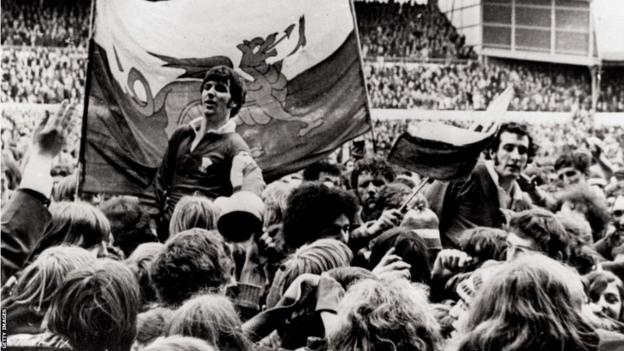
{"x":267,"y":90}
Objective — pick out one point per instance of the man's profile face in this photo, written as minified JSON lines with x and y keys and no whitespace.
{"x":216,"y":102}
{"x":367,"y":188}
{"x":512,"y":155}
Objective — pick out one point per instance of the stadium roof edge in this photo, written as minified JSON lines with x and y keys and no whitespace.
{"x":542,"y":57}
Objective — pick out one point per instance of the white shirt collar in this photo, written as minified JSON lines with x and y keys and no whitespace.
{"x":515,"y":192}
{"x":227,"y":128}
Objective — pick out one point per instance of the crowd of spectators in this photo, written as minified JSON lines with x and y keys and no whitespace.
{"x":611,"y":97}
{"x":55,"y":23}
{"x":35,"y":72}
{"x":333,"y":258}
{"x":338,"y":256}
{"x":414,"y":32}
{"x":42,"y":75}
{"x":49,"y":75}
{"x":553,"y":138}
{"x":458,"y":86}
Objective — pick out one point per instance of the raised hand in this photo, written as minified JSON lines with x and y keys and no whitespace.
{"x":392,"y":266}
{"x":450,"y":261}
{"x":49,"y":135}
{"x":388,"y":219}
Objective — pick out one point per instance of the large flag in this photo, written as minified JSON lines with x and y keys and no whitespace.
{"x":445,"y":152}
{"x":300,"y":59}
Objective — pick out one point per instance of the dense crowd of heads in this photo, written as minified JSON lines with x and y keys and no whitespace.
{"x":54,"y":23}
{"x":416,"y":32}
{"x":34,"y":71}
{"x":346,"y":259}
{"x":459,"y":86}
{"x":348,"y":255}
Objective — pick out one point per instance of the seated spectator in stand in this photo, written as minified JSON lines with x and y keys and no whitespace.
{"x":384,"y":315}
{"x":94,"y":309}
{"x":315,"y":211}
{"x":211,"y":318}
{"x":29,"y":299}
{"x":532,"y":293}
{"x":192,"y":262}
{"x":193,"y":212}
{"x":129,"y":223}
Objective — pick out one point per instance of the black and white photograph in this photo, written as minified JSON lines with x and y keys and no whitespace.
{"x":312,"y":175}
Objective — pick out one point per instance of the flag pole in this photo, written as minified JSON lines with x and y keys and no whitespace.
{"x":415,"y":192}
{"x":83,"y":133}
{"x":359,"y":47}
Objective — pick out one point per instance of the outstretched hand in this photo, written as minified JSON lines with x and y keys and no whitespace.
{"x":49,"y":136}
{"x":392,"y":267}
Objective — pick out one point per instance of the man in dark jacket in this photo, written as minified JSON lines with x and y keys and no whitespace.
{"x":26,"y":214}
{"x":491,"y":188}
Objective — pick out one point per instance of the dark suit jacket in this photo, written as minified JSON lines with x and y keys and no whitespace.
{"x":23,"y":221}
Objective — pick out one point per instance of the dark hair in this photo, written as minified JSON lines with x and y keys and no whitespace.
{"x":129,"y":223}
{"x":376,"y":166}
{"x":313,"y":171}
{"x":577,"y":160}
{"x":73,"y":223}
{"x":390,"y":196}
{"x":515,"y":128}
{"x":225,"y":74}
{"x":596,"y":282}
{"x":596,"y":213}
{"x":543,"y":227}
{"x":484,"y":243}
{"x":194,"y":261}
{"x":140,"y":262}
{"x":96,"y":308}
{"x":409,"y":246}
{"x":312,"y":209}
